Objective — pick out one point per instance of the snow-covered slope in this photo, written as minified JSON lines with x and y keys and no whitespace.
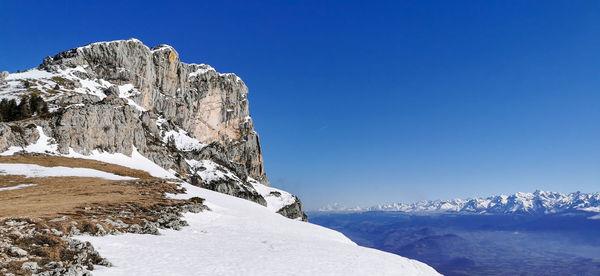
{"x":239,"y":237}
{"x":539,"y":202}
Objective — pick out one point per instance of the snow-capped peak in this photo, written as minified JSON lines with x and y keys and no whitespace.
{"x":538,"y":202}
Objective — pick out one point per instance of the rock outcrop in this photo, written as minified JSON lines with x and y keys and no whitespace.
{"x":211,"y":106}
{"x":3,"y":76}
{"x":122,"y":96}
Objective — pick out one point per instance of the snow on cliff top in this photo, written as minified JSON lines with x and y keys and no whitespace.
{"x":239,"y":237}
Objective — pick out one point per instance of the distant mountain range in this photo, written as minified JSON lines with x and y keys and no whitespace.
{"x":538,"y":202}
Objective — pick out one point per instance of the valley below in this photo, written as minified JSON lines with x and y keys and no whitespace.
{"x":479,"y":244}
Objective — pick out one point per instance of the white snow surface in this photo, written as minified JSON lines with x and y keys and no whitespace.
{"x":276,"y":199}
{"x":210,"y":171}
{"x":32,"y":170}
{"x":240,"y":237}
{"x":182,"y":140}
{"x":30,"y":74}
{"x":113,"y":41}
{"x":20,"y":186}
{"x":205,"y":68}
{"x":135,"y":161}
{"x":128,"y":90}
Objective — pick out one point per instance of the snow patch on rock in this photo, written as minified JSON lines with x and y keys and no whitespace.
{"x":44,"y":144}
{"x":182,"y":140}
{"x":276,"y":198}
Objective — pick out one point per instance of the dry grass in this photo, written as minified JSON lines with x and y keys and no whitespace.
{"x":56,"y":196}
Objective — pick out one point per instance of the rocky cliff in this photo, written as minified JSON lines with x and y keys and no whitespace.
{"x":123,"y":97}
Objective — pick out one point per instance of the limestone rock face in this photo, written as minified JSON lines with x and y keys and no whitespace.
{"x":213,"y":107}
{"x":106,"y":127}
{"x":121,"y":97}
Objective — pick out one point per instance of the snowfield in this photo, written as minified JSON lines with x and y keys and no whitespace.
{"x":239,"y":237}
{"x":31,"y":170}
{"x":135,"y":161}
{"x":276,"y":199}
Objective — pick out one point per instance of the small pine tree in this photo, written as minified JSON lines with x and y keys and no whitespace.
{"x":27,"y":107}
{"x":3,"y":110}
{"x":44,"y":109}
{"x":23,"y":111}
{"x":12,"y":111}
{"x":33,"y":104}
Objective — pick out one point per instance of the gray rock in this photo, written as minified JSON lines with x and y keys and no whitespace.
{"x":17,"y":252}
{"x":3,"y":76}
{"x":76,"y":99}
{"x":113,"y":90}
{"x":31,"y":266}
{"x":101,"y":231}
{"x":111,"y":127}
{"x":294,"y":210}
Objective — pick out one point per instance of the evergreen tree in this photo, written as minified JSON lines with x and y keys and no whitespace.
{"x":23,"y":109}
{"x":33,"y":104}
{"x":28,"y":106}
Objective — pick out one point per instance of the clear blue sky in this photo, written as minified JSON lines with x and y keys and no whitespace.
{"x":370,"y":102}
